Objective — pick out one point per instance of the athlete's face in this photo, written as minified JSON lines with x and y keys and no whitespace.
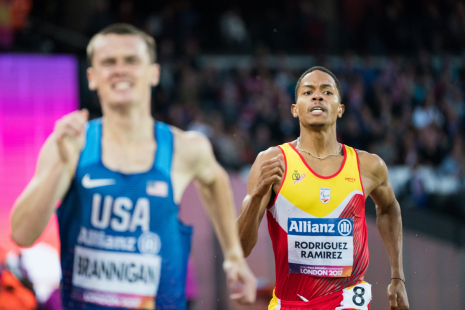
{"x":318,"y":102}
{"x":121,"y":71}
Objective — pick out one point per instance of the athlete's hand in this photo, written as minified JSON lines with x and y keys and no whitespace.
{"x":69,"y":133}
{"x":271,"y":172}
{"x":240,"y":280}
{"x":397,"y":294}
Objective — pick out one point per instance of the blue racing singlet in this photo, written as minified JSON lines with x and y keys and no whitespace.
{"x":122,"y":245}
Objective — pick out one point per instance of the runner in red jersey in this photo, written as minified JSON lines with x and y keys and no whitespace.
{"x":314,"y":190}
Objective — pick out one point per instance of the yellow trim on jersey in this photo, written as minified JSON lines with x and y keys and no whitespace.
{"x":274,"y":302}
{"x":350,"y":287}
{"x":307,"y":191}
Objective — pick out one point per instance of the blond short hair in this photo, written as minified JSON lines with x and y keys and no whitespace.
{"x":123,"y":29}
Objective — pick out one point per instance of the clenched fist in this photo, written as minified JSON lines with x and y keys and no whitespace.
{"x":69,"y":133}
{"x":271,"y":173}
{"x":397,"y":295}
{"x":241,"y":281}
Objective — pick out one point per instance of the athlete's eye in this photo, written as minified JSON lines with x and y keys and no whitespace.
{"x":327,"y":92}
{"x":132,"y":60}
{"x":307,"y":93}
{"x":108,"y":62}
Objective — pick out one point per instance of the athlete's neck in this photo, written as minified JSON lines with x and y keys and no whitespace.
{"x":127,"y":126}
{"x":319,"y":142}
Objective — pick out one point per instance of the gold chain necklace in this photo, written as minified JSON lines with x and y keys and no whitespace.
{"x":322,"y":157}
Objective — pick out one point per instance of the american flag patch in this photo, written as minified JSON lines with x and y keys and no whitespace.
{"x":157,"y":188}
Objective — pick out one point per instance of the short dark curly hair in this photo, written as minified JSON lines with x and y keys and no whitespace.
{"x":323,"y":69}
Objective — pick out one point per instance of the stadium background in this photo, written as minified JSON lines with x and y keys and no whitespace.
{"x":229,"y":70}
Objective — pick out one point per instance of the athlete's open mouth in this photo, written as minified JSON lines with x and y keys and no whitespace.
{"x":317,"y":110}
{"x":123,"y":85}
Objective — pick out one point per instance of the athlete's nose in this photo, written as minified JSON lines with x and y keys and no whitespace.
{"x":317,"y":96}
{"x":120,"y":69}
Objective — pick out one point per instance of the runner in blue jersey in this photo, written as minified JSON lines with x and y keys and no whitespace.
{"x":120,"y":179}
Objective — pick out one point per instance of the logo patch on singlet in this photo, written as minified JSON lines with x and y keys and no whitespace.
{"x":87,"y":182}
{"x":325,"y":194}
{"x":344,"y":227}
{"x":157,"y":188}
{"x":300,"y":178}
{"x":149,"y":243}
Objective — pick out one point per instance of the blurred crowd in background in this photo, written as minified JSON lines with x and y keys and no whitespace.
{"x":409,"y":111}
{"x":296,"y":25}
{"x":229,"y":70}
{"x":240,"y":26}
{"x":398,"y":63}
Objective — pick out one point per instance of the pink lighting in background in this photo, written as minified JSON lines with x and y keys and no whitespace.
{"x":35,"y":91}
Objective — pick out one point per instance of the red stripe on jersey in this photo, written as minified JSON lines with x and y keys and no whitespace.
{"x":359,"y":173}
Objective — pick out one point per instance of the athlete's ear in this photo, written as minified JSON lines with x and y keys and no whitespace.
{"x":294,"y":110}
{"x":155,"y":74}
{"x":340,"y":110}
{"x":91,"y":79}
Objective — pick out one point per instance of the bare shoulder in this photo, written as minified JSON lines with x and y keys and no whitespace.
{"x":372,"y":166}
{"x":191,"y":141}
{"x":268,"y":154}
{"x":192,"y":150}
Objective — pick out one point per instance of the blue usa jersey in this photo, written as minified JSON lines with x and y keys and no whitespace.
{"x":122,"y":245}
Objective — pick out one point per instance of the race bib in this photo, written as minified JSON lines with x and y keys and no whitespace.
{"x":356,"y":297}
{"x":321,"y":247}
{"x":115,"y":279}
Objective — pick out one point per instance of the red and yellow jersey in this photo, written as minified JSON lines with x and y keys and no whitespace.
{"x":318,"y":229}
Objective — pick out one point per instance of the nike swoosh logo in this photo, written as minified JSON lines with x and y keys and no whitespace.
{"x":88,"y":183}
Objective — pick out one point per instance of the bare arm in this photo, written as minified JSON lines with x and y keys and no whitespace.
{"x":215,"y":191}
{"x":55,"y":169}
{"x":212,"y":182}
{"x":266,"y":172}
{"x":389,"y":223}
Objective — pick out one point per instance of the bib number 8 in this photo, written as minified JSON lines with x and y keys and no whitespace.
{"x":357,"y":299}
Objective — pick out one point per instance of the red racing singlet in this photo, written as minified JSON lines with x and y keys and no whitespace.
{"x":318,"y":230}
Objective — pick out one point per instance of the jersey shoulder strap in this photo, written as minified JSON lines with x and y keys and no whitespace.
{"x":91,"y":152}
{"x":164,"y":153}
